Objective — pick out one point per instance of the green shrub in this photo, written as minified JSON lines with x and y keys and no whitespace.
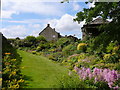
{"x":33,"y":52}
{"x":82,"y":47}
{"x":63,"y":42}
{"x":41,"y":38}
{"x":69,"y":49}
{"x":30,"y":39}
{"x":11,"y":74}
{"x":51,"y":57}
{"x":43,"y":46}
{"x":69,"y":81}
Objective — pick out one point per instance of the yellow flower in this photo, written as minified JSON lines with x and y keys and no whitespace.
{"x":77,"y":65}
{"x":116,"y":48}
{"x":69,"y":60}
{"x":106,"y":56}
{"x":7,"y":53}
{"x":7,"y":69}
{"x":13,"y":60}
{"x":0,"y":79}
{"x":73,"y":70}
{"x":20,"y":80}
{"x":79,"y":60}
{"x":13,"y":73}
{"x":81,"y":46}
{"x":7,"y":63}
{"x":113,"y":53}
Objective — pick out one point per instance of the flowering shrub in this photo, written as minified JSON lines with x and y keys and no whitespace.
{"x":116,"y":48}
{"x":87,"y":61}
{"x":0,"y":82}
{"x":12,"y":77}
{"x":111,"y":77}
{"x":113,"y":53}
{"x":81,"y":46}
{"x":106,"y":56}
{"x":11,"y":74}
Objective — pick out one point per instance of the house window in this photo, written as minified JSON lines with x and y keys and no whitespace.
{"x":54,"y":36}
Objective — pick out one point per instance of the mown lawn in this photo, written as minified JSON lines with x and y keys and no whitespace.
{"x":40,"y":72}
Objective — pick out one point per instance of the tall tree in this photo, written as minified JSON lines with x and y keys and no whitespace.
{"x":106,"y":10}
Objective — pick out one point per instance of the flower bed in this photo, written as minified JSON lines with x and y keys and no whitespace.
{"x":111,"y":77}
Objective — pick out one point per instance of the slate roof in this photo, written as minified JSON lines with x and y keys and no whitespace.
{"x":99,"y":20}
{"x":48,"y":25}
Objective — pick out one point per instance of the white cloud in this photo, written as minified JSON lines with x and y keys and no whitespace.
{"x":66,"y":25}
{"x":7,"y":14}
{"x":91,"y":4}
{"x":14,"y":31}
{"x":76,"y":7}
{"x":10,"y":7}
{"x":21,"y":30}
{"x":28,"y":21}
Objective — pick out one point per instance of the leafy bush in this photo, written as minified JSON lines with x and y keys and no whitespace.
{"x":63,"y":42}
{"x":43,"y":46}
{"x":82,"y":47}
{"x":30,"y":39}
{"x":111,"y":66}
{"x":88,"y":61}
{"x":69,"y":49}
{"x":70,"y":81}
{"x":113,"y":51}
{"x":11,"y":74}
{"x":51,"y":57}
{"x":41,"y":38}
{"x":33,"y":52}
{"x":12,"y":77}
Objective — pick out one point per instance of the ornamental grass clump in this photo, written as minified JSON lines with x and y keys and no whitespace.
{"x":111,"y":77}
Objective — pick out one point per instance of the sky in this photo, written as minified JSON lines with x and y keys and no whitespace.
{"x":21,"y":18}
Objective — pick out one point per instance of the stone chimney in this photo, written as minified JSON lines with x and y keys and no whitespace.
{"x":48,"y":25}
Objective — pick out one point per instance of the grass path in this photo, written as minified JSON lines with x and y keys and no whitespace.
{"x":42,"y":72}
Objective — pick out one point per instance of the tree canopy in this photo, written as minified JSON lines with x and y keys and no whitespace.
{"x":30,"y":39}
{"x":107,"y":10}
{"x":110,"y":32}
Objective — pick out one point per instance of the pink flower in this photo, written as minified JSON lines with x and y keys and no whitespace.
{"x":90,"y":76}
{"x":88,"y":71}
{"x":76,"y":69}
{"x":116,"y":88}
{"x":96,"y":71}
{"x":96,"y":79}
{"x":105,"y":75}
{"x":110,"y":84}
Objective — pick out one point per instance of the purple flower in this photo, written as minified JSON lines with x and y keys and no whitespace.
{"x":116,"y":88}
{"x":96,"y":79}
{"x":105,"y":75}
{"x":110,"y":84}
{"x":88,"y":71}
{"x":76,"y":69}
{"x":96,"y":71}
{"x":90,"y":76}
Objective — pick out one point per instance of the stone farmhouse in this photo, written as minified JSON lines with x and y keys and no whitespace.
{"x":92,"y":28}
{"x":50,"y":33}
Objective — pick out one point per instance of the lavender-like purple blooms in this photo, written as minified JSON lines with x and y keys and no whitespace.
{"x":105,"y":75}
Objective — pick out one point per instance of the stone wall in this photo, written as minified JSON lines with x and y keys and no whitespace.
{"x":49,"y":33}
